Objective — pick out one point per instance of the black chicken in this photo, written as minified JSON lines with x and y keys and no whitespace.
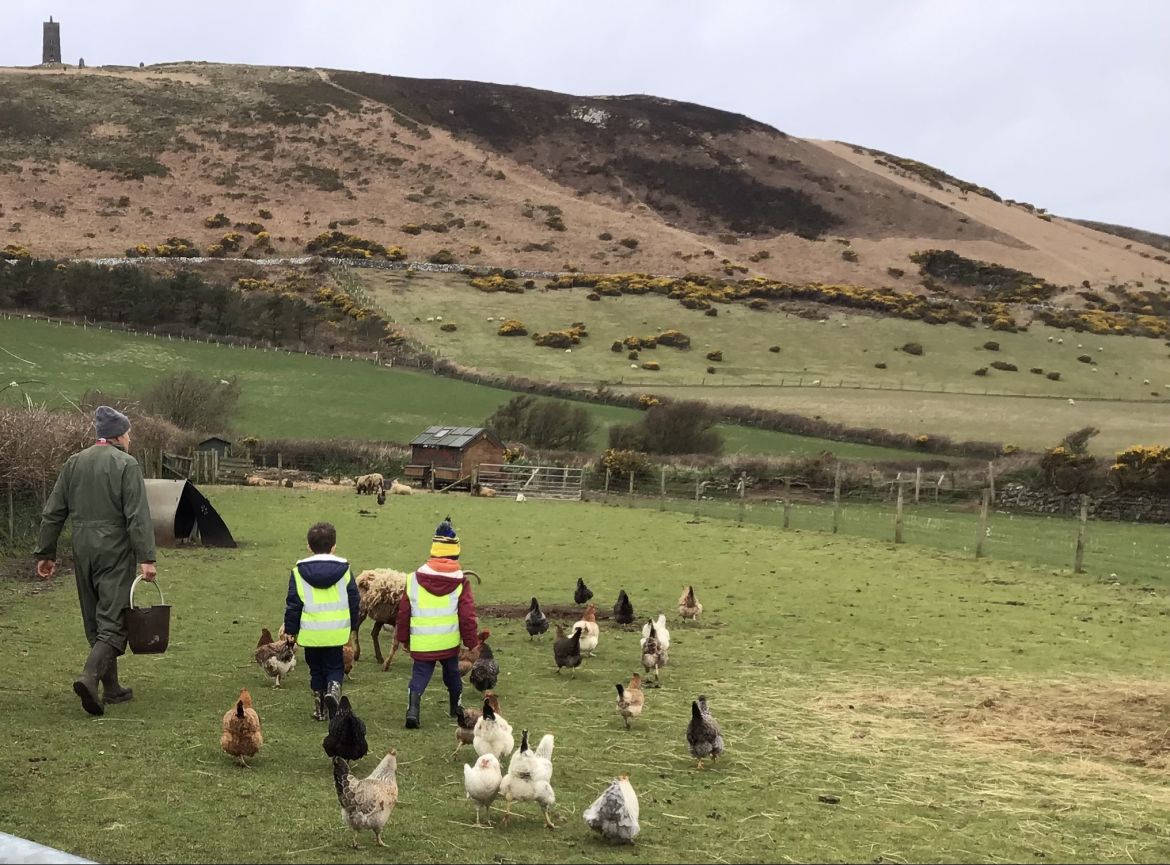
{"x":347,"y":734}
{"x":623,"y":610}
{"x":381,"y":497}
{"x":567,"y":650}
{"x":536,"y":622}
{"x":583,"y":594}
{"x":485,"y":670}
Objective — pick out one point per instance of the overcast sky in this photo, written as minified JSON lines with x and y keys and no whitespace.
{"x":1063,"y":103}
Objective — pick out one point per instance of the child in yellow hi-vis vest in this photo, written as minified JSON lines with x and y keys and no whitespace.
{"x":435,"y":614}
{"x":321,"y":612}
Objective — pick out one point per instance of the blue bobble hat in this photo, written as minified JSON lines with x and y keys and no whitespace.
{"x":445,"y":544}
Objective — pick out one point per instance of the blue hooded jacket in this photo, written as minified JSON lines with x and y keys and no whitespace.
{"x":320,"y":571}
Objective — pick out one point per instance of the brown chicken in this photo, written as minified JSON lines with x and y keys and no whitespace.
{"x":241,"y":730}
{"x":277,"y":658}
{"x":630,"y":699}
{"x":688,"y":605}
{"x":465,"y":721}
{"x":468,"y":657}
{"x":347,"y":656}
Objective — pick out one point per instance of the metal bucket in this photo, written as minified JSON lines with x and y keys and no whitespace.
{"x":148,"y":628}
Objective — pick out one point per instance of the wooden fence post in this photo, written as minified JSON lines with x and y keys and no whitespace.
{"x":837,"y":499}
{"x":982,"y":524}
{"x":787,"y":503}
{"x":698,"y":492}
{"x":938,"y":486}
{"x":608,"y":473}
{"x":1079,"y":558}
{"x":898,"y":518}
{"x":11,"y":515}
{"x":631,"y":502}
{"x":991,"y":479}
{"x":917,"y":483}
{"x":662,"y":490}
{"x":215,"y":467}
{"x":279,"y":460}
{"x":742,"y":495}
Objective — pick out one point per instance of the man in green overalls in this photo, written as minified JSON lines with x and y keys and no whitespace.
{"x":102,"y":489}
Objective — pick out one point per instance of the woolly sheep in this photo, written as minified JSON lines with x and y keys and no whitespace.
{"x":400,"y":489}
{"x":380,"y":590}
{"x":369,"y":484}
{"x":430,"y":318}
{"x":1050,"y":339}
{"x":568,"y":351}
{"x":1145,"y":381}
{"x":1072,"y":401}
{"x":1060,"y":341}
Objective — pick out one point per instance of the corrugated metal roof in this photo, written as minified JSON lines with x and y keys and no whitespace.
{"x":447,"y":436}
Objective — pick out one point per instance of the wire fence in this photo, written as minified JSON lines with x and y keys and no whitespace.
{"x":1110,"y":549}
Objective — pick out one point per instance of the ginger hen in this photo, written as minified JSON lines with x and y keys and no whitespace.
{"x":241,"y":736}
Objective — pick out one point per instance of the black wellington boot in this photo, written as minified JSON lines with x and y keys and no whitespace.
{"x":112,"y":690}
{"x":85,"y":686}
{"x":453,"y":703}
{"x":413,"y":711}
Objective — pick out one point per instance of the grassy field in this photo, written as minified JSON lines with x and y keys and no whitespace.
{"x":281,"y":392}
{"x":843,"y":348}
{"x":959,"y":710}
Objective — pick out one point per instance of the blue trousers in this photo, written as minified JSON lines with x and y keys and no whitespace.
{"x":423,"y":670}
{"x":326,"y":664}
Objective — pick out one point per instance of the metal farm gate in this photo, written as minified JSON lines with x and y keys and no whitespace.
{"x":537,"y":482}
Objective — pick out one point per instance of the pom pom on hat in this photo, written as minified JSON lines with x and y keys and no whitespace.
{"x":445,"y":543}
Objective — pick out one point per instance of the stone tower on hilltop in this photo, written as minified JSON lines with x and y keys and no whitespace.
{"x":51,"y":46}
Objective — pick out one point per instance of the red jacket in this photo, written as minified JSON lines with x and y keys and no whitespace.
{"x":441,"y":577}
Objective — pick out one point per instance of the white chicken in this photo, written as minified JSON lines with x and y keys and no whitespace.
{"x":492,"y":734}
{"x":614,"y":814}
{"x":529,"y":778}
{"x":660,"y":631}
{"x":590,"y":632}
{"x":482,"y":783}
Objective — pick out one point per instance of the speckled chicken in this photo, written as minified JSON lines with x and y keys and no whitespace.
{"x":630,"y":699}
{"x":654,"y":655}
{"x":704,"y":737}
{"x":536,"y":622}
{"x":367,"y":803}
{"x":277,"y":658}
{"x":485,"y":671}
{"x":623,"y":610}
{"x":614,"y":814}
{"x":241,"y":736}
{"x":466,"y":719}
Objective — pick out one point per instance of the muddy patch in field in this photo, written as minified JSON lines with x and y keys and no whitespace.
{"x":1124,"y":721}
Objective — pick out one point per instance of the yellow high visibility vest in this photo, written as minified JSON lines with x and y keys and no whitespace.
{"x":325,"y":617}
{"x":434,"y":619}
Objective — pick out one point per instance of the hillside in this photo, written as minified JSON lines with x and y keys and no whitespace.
{"x":96,"y":161}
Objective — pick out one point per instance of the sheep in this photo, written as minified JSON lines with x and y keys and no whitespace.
{"x":568,"y":351}
{"x":369,"y":484}
{"x":438,"y":318}
{"x":430,"y":318}
{"x":485,"y":491}
{"x":400,"y":489}
{"x":1145,"y":381}
{"x":1052,"y":339}
{"x":381,"y":589}
{"x":1060,"y":341}
{"x":1071,"y":401}
{"x":520,"y":497}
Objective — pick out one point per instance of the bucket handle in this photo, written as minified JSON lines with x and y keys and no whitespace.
{"x":137,"y":580}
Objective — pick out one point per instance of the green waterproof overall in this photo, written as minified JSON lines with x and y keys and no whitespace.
{"x":102,"y":489}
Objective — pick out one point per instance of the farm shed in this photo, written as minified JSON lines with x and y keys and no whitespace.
{"x":450,"y":456}
{"x":221,"y":446}
{"x":180,"y":512}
